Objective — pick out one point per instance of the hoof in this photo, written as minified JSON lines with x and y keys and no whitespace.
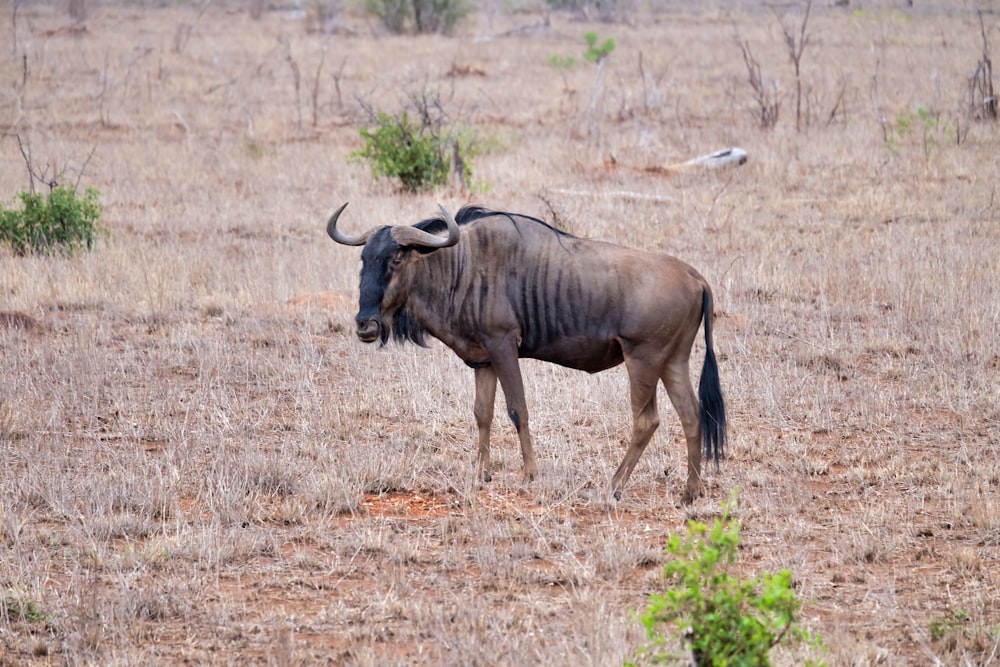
{"x":617,"y":495}
{"x":487,"y":477}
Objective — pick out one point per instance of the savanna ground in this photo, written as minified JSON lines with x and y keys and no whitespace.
{"x":201,"y":464}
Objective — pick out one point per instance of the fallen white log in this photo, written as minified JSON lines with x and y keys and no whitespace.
{"x":727,"y":157}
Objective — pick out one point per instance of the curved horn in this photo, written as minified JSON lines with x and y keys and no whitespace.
{"x":418,"y":237}
{"x":336,"y":235}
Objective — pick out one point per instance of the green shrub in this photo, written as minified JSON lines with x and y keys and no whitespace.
{"x":58,"y":222}
{"x":419,"y":154}
{"x":438,"y":16}
{"x":725,"y":621}
{"x":400,"y":148}
{"x":954,"y":622}
{"x":426,"y":16}
{"x":392,"y":13}
{"x":595,"y":53}
{"x":15,"y":608}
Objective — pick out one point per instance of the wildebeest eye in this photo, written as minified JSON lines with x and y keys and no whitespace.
{"x":396,"y":260}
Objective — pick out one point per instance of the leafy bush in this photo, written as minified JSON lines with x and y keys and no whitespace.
{"x":400,"y":148}
{"x":954,"y":622}
{"x":420,"y":154}
{"x":427,"y":16}
{"x":17,"y":609}
{"x":392,"y":13}
{"x":438,"y":16}
{"x":58,"y":222}
{"x":595,"y":53}
{"x":725,"y":621}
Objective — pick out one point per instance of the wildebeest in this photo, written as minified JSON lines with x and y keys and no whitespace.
{"x":496,"y":286}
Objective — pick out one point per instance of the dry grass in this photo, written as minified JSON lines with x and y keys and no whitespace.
{"x":200,"y":463}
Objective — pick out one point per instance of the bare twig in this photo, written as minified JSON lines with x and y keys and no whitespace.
{"x":336,"y":82}
{"x":102,"y":96}
{"x":51,"y":181}
{"x":13,"y":26}
{"x":315,"y":90}
{"x":982,"y":98}
{"x":876,"y":98}
{"x":19,"y":93}
{"x":185,"y":30}
{"x":796,"y":45}
{"x":296,"y":78}
{"x":83,"y":167}
{"x":642,"y":77}
{"x":838,"y":104}
{"x":768,"y":101}
{"x":32,"y":174}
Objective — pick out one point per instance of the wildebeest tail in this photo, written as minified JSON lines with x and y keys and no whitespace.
{"x":712,"y":405}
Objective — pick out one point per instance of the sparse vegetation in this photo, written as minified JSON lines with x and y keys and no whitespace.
{"x":198,"y":459}
{"x":398,"y":147}
{"x":55,"y":223}
{"x":766,"y":95}
{"x":983,"y":102}
{"x":940,"y":627}
{"x":795,"y":43}
{"x":420,"y":153}
{"x":422,"y":16}
{"x":20,"y":609}
{"x":597,"y":53}
{"x":721,"y":619}
{"x":928,"y":128}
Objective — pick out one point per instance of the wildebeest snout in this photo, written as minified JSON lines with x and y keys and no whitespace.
{"x":368,"y":328}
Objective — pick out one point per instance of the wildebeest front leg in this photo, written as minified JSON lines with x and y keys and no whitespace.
{"x":486,"y":391}
{"x":503,"y":356}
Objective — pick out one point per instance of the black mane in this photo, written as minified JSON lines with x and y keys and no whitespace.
{"x":405,"y":329}
{"x":471,"y":213}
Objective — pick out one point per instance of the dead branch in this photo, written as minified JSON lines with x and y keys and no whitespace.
{"x":336,"y":82}
{"x":876,"y":99}
{"x":768,"y":101}
{"x":315,"y":90}
{"x":42,"y":176}
{"x":296,"y":78}
{"x":32,"y":174}
{"x":982,"y":98}
{"x":796,"y":45}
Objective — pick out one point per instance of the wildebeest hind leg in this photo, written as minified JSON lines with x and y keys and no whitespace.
{"x":677,"y":380}
{"x":486,"y":391}
{"x":644,"y":418}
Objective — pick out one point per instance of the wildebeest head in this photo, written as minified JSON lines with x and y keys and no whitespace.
{"x":384,"y":285}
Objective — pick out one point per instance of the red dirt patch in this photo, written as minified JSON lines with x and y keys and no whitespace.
{"x":412,"y":505}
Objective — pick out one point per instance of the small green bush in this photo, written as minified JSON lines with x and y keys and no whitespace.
{"x":597,"y":53}
{"x":58,"y":222}
{"x":726,"y":622}
{"x":419,"y":154}
{"x":954,"y":622}
{"x":426,"y":16}
{"x":400,"y":148}
{"x":15,"y":608}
